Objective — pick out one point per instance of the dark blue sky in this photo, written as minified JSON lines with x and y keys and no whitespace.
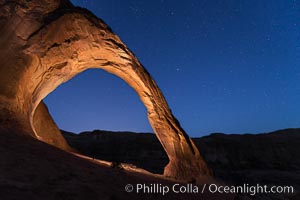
{"x":224,"y":66}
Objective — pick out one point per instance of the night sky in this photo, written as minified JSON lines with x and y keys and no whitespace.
{"x":223,"y":65}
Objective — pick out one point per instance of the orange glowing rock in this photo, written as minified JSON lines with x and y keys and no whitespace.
{"x":47,"y":42}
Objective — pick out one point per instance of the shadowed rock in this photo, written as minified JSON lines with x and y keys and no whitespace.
{"x":45,"y":43}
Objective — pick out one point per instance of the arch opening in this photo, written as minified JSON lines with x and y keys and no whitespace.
{"x":111,"y":105}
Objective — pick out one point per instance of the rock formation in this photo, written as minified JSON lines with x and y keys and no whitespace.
{"x":47,"y":42}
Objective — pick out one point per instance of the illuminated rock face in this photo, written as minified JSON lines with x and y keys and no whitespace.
{"x":47,"y":42}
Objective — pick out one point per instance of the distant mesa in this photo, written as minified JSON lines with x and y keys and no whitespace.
{"x":45,"y":43}
{"x":269,"y":158}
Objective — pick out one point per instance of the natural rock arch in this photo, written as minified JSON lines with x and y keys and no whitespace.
{"x":45,"y":43}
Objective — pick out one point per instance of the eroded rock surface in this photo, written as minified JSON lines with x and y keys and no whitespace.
{"x":47,"y":42}
{"x":47,"y":129}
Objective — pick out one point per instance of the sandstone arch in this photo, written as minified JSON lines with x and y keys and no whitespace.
{"x":47,"y":42}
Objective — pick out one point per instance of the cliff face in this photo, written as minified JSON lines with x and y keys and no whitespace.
{"x":264,"y":158}
{"x":47,"y":42}
{"x":142,"y":150}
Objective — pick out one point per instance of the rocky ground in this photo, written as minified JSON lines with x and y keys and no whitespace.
{"x":33,"y":170}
